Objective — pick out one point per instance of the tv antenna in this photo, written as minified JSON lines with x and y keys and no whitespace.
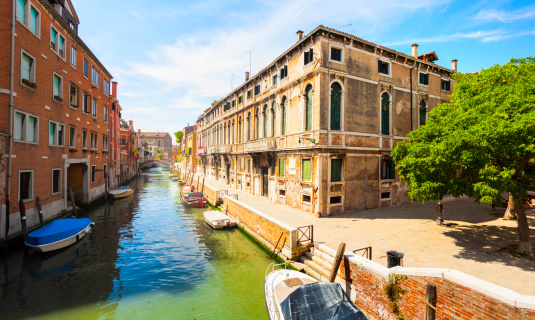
{"x":351,"y":28}
{"x":249,"y":62}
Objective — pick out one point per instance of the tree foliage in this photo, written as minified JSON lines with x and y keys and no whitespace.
{"x":481,"y":144}
{"x":179,"y":135}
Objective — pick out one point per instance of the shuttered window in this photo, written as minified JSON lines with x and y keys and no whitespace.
{"x":384,"y":67}
{"x":308,"y":115}
{"x":445,"y":85}
{"x":283,"y":116}
{"x":53,"y":35}
{"x":424,"y":79}
{"x":336,"y":97}
{"x":273,"y":118}
{"x":309,"y":56}
{"x":306,"y":170}
{"x":281,"y":167}
{"x":26,"y":68}
{"x":57,"y":87}
{"x":423,"y":112}
{"x":265,"y":121}
{"x":336,"y":170}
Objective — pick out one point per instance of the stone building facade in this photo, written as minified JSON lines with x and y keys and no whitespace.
{"x":314,"y":129}
{"x":55,"y":117}
{"x":162,"y":140}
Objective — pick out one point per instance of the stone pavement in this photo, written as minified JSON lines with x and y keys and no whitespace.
{"x":472,"y":247}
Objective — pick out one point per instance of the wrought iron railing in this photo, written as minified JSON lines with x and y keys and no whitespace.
{"x":305,"y":234}
{"x":366,"y":252}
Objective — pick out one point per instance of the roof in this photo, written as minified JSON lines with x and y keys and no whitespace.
{"x":430,"y":56}
{"x":155,"y":134}
{"x":72,"y":11}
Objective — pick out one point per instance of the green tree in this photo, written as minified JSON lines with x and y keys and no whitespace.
{"x":178,"y":136}
{"x":480,"y":145}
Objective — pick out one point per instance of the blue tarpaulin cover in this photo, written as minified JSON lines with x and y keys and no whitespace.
{"x":57,"y":230}
{"x":320,"y":301}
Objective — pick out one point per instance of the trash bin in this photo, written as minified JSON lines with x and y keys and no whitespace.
{"x":394,"y":258}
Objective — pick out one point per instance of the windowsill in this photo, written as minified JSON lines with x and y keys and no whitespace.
{"x":27,"y":142}
{"x":57,"y":54}
{"x":29,"y":86}
{"x":27,"y":28}
{"x":73,"y":107}
{"x":60,"y":100}
{"x":93,"y":151}
{"x":387,"y":180}
{"x":85,"y":113}
{"x":85,"y":150}
{"x":94,"y":85}
{"x":385,"y":75}
{"x":55,"y":145}
{"x":74,"y":67}
{"x":27,"y":200}
{"x":445,"y":91}
{"x":337,"y":62}
{"x":306,"y":183}
{"x":423,"y":85}
{"x":85,"y":76}
{"x":71,"y":149}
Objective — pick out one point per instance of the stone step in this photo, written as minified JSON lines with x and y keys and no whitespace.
{"x":319,"y":269}
{"x":317,"y":259}
{"x":322,"y":255}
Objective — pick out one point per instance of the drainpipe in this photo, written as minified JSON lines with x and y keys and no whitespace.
{"x":10,"y":117}
{"x":412,"y":116}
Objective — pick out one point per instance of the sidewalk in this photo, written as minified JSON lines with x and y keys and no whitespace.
{"x":473,"y":247}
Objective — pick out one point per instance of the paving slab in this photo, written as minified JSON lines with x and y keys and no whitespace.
{"x":472,"y":246}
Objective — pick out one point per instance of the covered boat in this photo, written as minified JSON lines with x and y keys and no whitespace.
{"x":59,"y":233}
{"x":218,"y":220}
{"x":293,"y":295}
{"x":192,"y":197}
{"x":122,"y":192}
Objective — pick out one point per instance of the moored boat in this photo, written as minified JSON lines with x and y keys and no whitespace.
{"x":122,"y":192}
{"x":174,"y":178}
{"x":218,"y":220}
{"x":59,"y":233}
{"x":192,"y":197}
{"x":293,"y":295}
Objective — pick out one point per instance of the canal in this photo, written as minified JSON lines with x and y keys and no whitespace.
{"x":148,"y":257}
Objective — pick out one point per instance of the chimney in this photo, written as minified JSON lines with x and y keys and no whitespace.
{"x":454,"y":65}
{"x":415,"y":50}
{"x":130,"y":125}
{"x":299,"y":35}
{"x":114,"y":89}
{"x":246,"y":75}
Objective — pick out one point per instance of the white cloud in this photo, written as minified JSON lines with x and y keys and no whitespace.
{"x":506,"y":16}
{"x":483,"y":35}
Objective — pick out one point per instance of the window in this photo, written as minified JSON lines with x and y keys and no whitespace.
{"x":274,"y":80}
{"x":94,"y":76}
{"x":388,"y":169}
{"x":105,"y":172}
{"x":257,"y":123}
{"x":94,"y":109}
{"x":335,"y":200}
{"x":424,"y":79}
{"x":57,"y":42}
{"x":240,"y":99}
{"x":72,"y":137}
{"x":27,"y":70}
{"x":284,"y":72}
{"x":84,"y":139}
{"x":86,"y":67}
{"x":56,"y":181}
{"x":106,"y":87}
{"x":273,"y":118}
{"x":248,"y":165}
{"x":105,"y":143}
{"x":336,"y":54}
{"x":26,"y":127}
{"x":57,"y":87}
{"x":233,"y":104}
{"x":21,"y":10}
{"x":336,"y":170}
{"x":309,"y":56}
{"x":423,"y":112}
{"x":93,"y":174}
{"x":385,"y":113}
{"x":281,"y":167}
{"x":250,"y":94}
{"x":56,"y":136}
{"x":94,"y":142}
{"x":283,"y":116}
{"x":445,"y":85}
{"x":73,"y":56}
{"x":265,"y":114}
{"x":105,"y":114}
{"x":336,"y":103}
{"x":384,"y":67}
{"x":26,"y":185}
{"x":306,"y":170}
{"x":73,"y":95}
{"x":29,"y":16}
{"x":86,"y":102}
{"x":257,"y":89}
{"x":308,"y":111}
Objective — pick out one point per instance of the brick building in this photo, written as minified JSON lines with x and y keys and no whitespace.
{"x":54,"y":128}
{"x":314,"y":129}
{"x":128,"y":146}
{"x":176,"y":153}
{"x":162,"y":140}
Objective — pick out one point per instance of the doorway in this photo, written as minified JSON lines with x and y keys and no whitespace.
{"x":265,"y":181}
{"x":228,"y":173}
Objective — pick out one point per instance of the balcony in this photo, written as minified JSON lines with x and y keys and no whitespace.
{"x":262,"y":145}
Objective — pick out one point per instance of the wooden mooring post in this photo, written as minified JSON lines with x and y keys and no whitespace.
{"x":337,"y":261}
{"x":202,"y":190}
{"x":430,"y":301}
{"x":71,"y":195}
{"x":39,"y":211}
{"x":22,"y":210}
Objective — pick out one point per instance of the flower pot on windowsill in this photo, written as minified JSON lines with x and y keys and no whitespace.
{"x":58,"y":98}
{"x":85,"y":150}
{"x":29,"y":83}
{"x":93,"y":151}
{"x":72,"y":150}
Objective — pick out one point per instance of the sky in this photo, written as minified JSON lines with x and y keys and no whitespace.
{"x":172,"y":58}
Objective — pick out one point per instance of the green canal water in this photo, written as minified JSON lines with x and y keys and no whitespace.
{"x":148,"y":257}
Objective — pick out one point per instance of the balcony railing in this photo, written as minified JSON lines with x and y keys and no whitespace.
{"x":266,"y":144}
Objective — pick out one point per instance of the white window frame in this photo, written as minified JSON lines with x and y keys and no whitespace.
{"x":27,"y":14}
{"x":342,"y":54}
{"x":52,"y":186}
{"x":56,"y":143}
{"x":421,"y":84}
{"x":95,"y":76}
{"x":389,"y":74}
{"x":71,"y":84}
{"x":275,"y":83}
{"x":91,"y":141}
{"x":105,"y":142}
{"x":445,"y":79}
{"x":73,"y":145}
{"x":105,"y":114}
{"x":93,"y":169}
{"x":60,"y":89}
{"x":32,"y":70}
{"x":25,"y":128}
{"x":83,"y":71}
{"x":84,"y":101}
{"x":94,"y":108}
{"x":74,"y":61}
{"x":58,"y":36}
{"x":31,"y":185}
{"x":84,"y":140}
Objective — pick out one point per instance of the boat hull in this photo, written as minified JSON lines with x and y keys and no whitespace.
{"x":195,"y":202}
{"x":121,"y":195}
{"x":64,"y":242}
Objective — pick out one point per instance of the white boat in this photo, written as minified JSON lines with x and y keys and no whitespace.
{"x":218,"y":220}
{"x":59,"y":233}
{"x":122,"y":192}
{"x":293,"y":295}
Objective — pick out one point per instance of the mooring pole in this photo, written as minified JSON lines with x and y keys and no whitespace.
{"x":337,"y":261}
{"x":71,"y":195}
{"x":202,"y":186}
{"x":430,"y":301}
{"x":22,"y":210}
{"x":39,"y":211}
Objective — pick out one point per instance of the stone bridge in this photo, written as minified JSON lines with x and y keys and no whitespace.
{"x":148,"y":163}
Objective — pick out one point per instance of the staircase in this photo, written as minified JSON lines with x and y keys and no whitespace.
{"x":319,"y":259}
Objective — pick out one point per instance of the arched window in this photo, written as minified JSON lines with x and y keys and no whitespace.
{"x":336,"y":104}
{"x":232,"y":133}
{"x":225,"y":134}
{"x":308,"y":108}
{"x":283,"y":116}
{"x":273,"y":118}
{"x":385,"y":113}
{"x":257,"y":124}
{"x":265,"y":121}
{"x":239,"y":130}
{"x":423,"y":112}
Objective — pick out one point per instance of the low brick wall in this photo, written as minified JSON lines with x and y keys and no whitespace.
{"x":459,"y":296}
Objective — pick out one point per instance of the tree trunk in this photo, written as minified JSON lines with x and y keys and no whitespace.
{"x":523,"y":229}
{"x":510,"y":213}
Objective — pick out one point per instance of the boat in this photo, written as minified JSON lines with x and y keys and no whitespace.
{"x":59,"y":233}
{"x":165,"y":168}
{"x":218,"y":220}
{"x":122,"y":192}
{"x":293,"y":295}
{"x":192,"y":198}
{"x":174,"y":178}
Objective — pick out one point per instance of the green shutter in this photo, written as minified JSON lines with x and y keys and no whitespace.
{"x":306,"y":170}
{"x":336,"y":170}
{"x":33,"y":20}
{"x":308,"y":125}
{"x":336,"y":97}
{"x":52,"y":132}
{"x":281,"y":167}
{"x":265,"y":121}
{"x":283,"y":115}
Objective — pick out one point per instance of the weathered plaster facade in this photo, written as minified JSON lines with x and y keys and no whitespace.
{"x":314,"y":129}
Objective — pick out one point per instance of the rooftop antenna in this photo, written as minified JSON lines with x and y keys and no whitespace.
{"x":350,"y":26}
{"x":250,"y":74}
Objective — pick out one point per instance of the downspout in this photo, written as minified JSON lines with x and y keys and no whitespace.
{"x":10,"y":130}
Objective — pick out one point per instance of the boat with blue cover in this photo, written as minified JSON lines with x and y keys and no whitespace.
{"x":59,"y":233}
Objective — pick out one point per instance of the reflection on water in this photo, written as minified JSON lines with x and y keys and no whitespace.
{"x":148,"y":257}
